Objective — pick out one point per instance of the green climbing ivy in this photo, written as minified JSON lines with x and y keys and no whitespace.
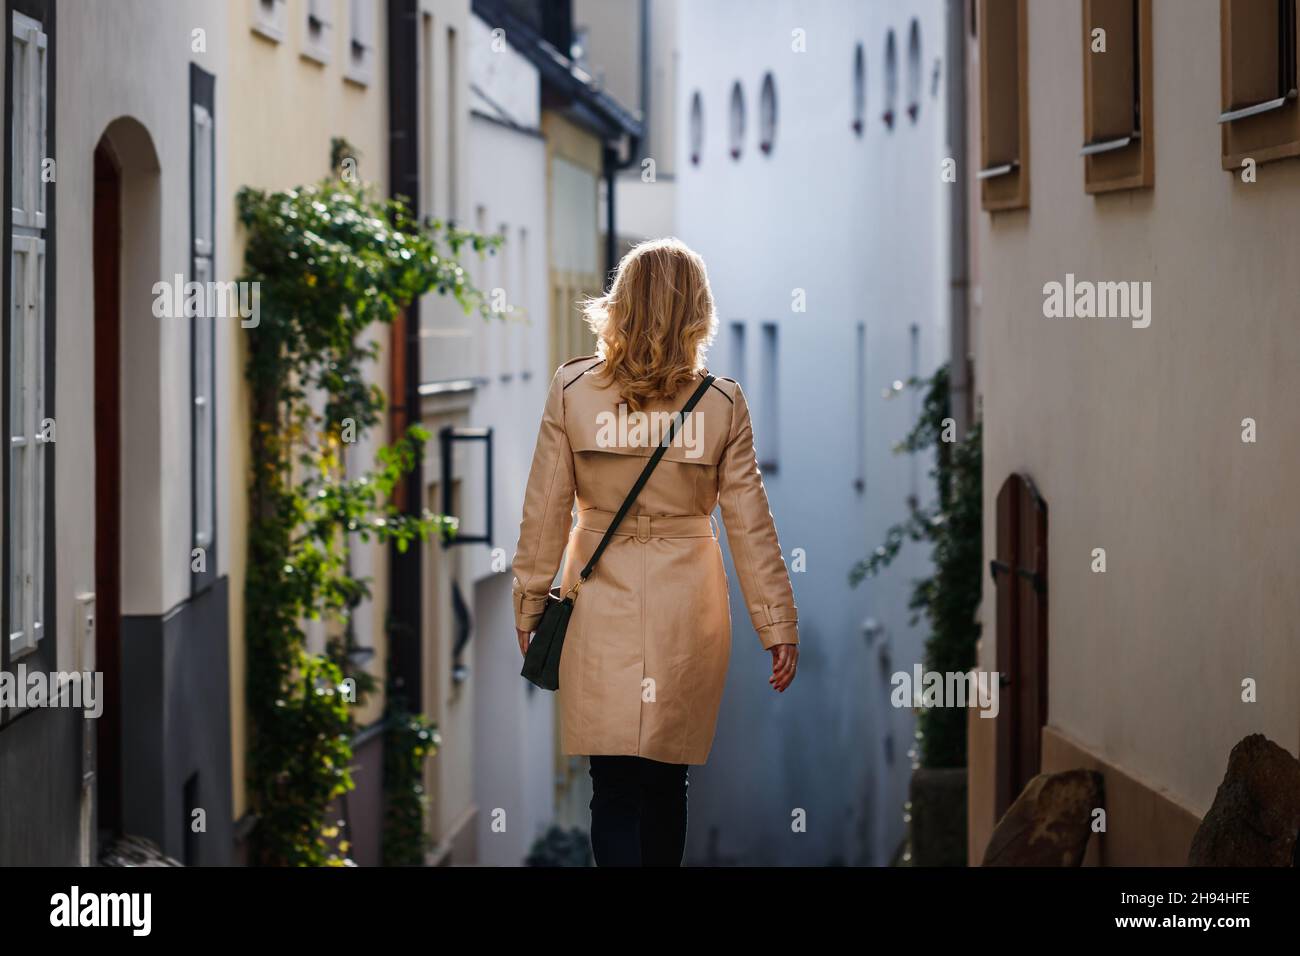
{"x":950,"y":596}
{"x":329,"y":261}
{"x":409,"y":739}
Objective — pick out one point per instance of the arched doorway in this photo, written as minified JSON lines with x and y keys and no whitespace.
{"x":125,"y":255}
{"x":1020,"y":576}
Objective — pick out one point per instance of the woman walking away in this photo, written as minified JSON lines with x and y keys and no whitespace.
{"x":646,"y":649}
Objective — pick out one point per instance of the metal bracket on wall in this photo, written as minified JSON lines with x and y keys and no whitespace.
{"x":447,"y":438}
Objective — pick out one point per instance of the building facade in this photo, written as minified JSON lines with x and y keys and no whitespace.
{"x":1137,"y":456}
{"x":808,"y":167}
{"x":117,"y":540}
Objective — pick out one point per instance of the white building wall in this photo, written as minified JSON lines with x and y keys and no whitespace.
{"x":513,"y":722}
{"x":156,"y":524}
{"x":858,"y":226}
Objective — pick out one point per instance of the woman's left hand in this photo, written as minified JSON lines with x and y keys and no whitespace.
{"x":523,"y":641}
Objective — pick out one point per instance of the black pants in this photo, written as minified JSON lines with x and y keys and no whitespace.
{"x":638,"y":811}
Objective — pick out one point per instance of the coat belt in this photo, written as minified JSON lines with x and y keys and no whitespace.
{"x":645,"y":527}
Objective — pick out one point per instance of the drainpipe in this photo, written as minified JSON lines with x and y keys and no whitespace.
{"x":405,"y":597}
{"x":961,"y":372}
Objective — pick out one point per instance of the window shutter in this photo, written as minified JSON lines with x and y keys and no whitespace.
{"x":30,"y":84}
{"x":1004,"y":105}
{"x":1020,"y":576}
{"x":203,"y":185}
{"x":203,"y":325}
{"x":1117,"y":97}
{"x":1031,"y":604}
{"x":1003,"y":570}
{"x":26,"y":447}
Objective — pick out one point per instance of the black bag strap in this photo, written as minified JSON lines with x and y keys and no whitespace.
{"x":645,"y":476}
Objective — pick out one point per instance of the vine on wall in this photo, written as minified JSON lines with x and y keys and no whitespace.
{"x":330,"y":261}
{"x":950,"y":596}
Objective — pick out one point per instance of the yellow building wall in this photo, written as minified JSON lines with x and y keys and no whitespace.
{"x":575,"y":268}
{"x":280,"y":111}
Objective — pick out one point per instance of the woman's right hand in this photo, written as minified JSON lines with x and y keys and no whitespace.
{"x":523,"y":641}
{"x":785,"y":661}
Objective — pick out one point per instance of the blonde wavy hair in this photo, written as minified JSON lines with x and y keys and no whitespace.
{"x":654,"y":326}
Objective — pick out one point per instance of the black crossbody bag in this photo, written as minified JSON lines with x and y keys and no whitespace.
{"x":542,"y":662}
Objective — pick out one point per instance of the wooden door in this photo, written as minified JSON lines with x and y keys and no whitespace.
{"x":1020,"y":574}
{"x":108,"y":515}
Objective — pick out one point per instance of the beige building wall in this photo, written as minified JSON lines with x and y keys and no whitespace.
{"x":573,"y":164}
{"x":278,"y":109}
{"x":1134,"y":436}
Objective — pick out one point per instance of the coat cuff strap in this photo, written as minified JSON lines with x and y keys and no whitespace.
{"x":528,"y":610}
{"x":775,"y":624}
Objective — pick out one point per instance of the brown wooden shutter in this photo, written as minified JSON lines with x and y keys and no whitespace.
{"x":1118,"y":131}
{"x":1020,"y":573}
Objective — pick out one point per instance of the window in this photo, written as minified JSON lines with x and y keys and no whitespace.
{"x":736,"y":351}
{"x":1004,"y":105}
{"x":914,"y":71}
{"x":524,"y":291}
{"x":891,"y":80}
{"x":737,"y":119}
{"x":317,"y":30}
{"x":859,"y":89}
{"x":1117,"y":144}
{"x":504,"y":256}
{"x":26,"y":444}
{"x":25,"y":373}
{"x":203,"y":429}
{"x":451,"y":85}
{"x":767,"y":114}
{"x":768,"y":420}
{"x":860,"y":407}
{"x":1257,"y":49}
{"x":268,"y":19}
{"x":361,"y":41}
{"x":697,"y":127}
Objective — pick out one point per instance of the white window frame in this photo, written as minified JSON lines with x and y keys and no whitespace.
{"x":202,"y":386}
{"x":28,"y":47}
{"x":204,"y":429}
{"x":204,"y":177}
{"x":318,"y":30}
{"x":25,"y":498}
{"x":26,"y":492}
{"x":269,"y":19}
{"x":361,"y":42}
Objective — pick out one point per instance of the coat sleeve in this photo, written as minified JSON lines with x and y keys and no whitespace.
{"x":548,"y":512}
{"x":751,"y":534}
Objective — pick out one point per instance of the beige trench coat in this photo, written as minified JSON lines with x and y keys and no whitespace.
{"x":646,"y":650}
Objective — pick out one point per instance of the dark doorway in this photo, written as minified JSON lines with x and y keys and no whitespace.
{"x":1020,"y":573}
{"x":108,"y":470}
